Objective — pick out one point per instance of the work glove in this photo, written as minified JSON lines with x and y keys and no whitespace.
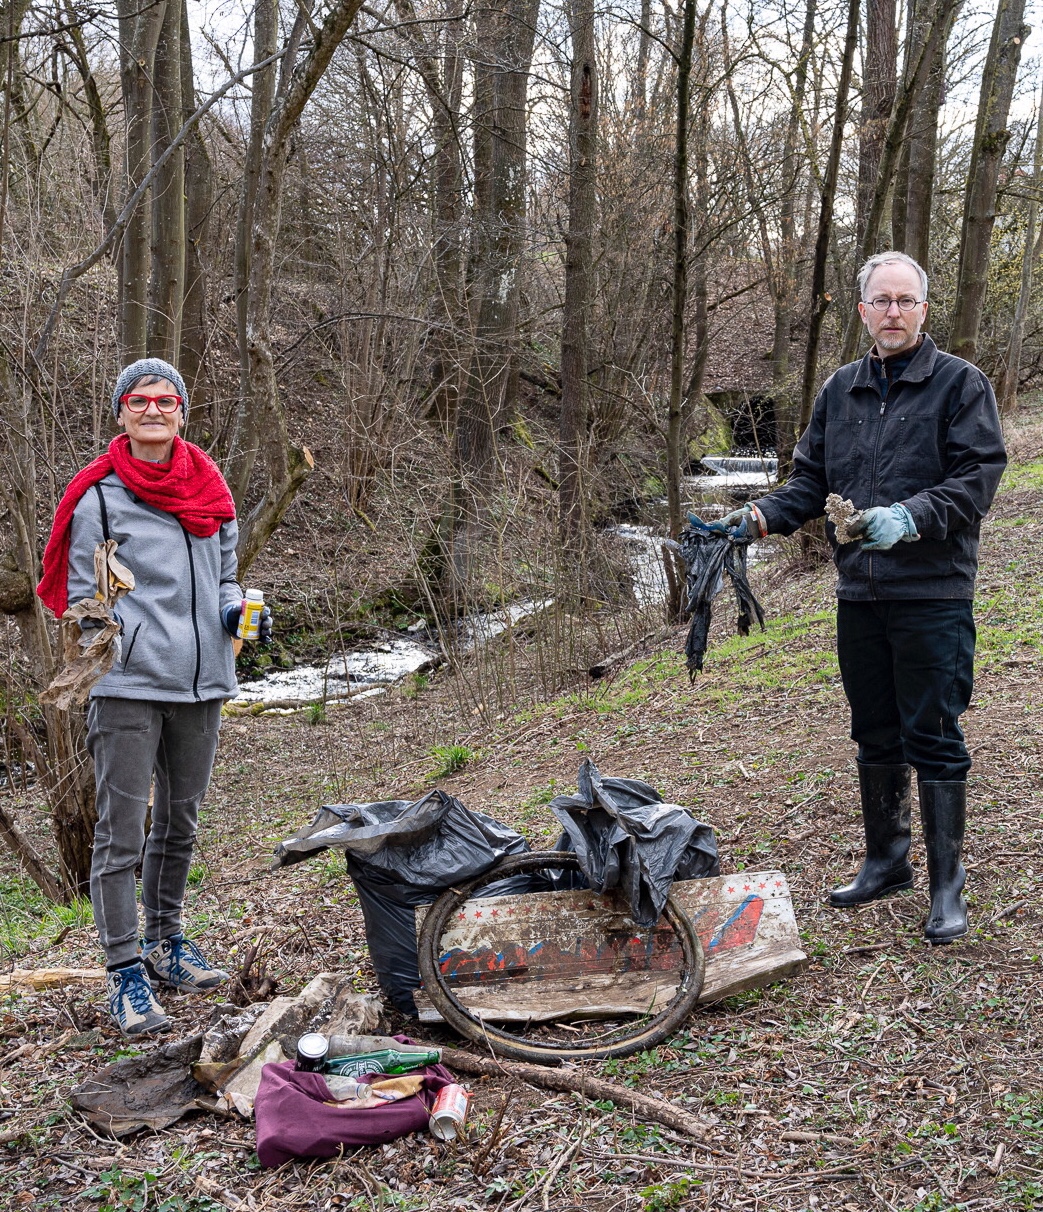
{"x":747,"y":522}
{"x":885,"y":525}
{"x":264,"y":627}
{"x":230,"y":618}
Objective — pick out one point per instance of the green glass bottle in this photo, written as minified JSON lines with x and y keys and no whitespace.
{"x":387,"y":1060}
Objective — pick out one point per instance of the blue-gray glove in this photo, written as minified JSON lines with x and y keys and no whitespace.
{"x":885,"y":525}
{"x":742,"y":523}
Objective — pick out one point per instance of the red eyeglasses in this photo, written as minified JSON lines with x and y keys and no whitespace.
{"x":165,"y":404}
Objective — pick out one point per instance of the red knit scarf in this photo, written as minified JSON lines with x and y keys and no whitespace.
{"x":190,"y":486}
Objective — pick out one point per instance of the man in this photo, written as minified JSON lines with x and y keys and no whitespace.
{"x":912,"y":437}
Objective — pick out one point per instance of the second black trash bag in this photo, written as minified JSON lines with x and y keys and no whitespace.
{"x":625,"y":836}
{"x":400,"y":855}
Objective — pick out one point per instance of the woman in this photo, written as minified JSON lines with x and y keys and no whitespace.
{"x":157,"y":713}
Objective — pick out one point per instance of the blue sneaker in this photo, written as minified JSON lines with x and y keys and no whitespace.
{"x":178,"y":961}
{"x":132,"y":1004}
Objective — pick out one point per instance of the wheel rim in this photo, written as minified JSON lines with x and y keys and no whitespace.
{"x":645,"y":1033}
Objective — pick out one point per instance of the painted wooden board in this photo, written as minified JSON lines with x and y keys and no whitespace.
{"x":546,"y":955}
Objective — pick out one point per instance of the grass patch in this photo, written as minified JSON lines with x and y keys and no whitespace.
{"x":1022,"y":475}
{"x":449,"y":759}
{"x":27,"y":917}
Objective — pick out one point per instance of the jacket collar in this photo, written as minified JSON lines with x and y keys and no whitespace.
{"x":920,"y":367}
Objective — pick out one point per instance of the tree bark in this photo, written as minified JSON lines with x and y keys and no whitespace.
{"x":166,"y":288}
{"x":656,"y":1109}
{"x":820,"y":299}
{"x":914,"y":183}
{"x":139,"y":29}
{"x":288,"y":466}
{"x":198,"y":200}
{"x":26,"y":853}
{"x":443,"y":81}
{"x":879,"y":85}
{"x":505,"y":32}
{"x":990,"y":141}
{"x":60,"y":758}
{"x":579,"y":277}
{"x":680,"y":272}
{"x":244,"y":438}
{"x":893,"y":141}
{"x":1008,"y":388}
{"x":101,"y":140}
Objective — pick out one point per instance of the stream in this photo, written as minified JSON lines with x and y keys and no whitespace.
{"x":370,"y":671}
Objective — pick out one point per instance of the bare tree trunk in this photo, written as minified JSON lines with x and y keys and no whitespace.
{"x":892,"y":145}
{"x":820,"y":299}
{"x":101,"y":141}
{"x":506,"y":34}
{"x":244,"y":439}
{"x":990,"y":141}
{"x":443,"y":80}
{"x":914,"y":183}
{"x":879,"y":85}
{"x":139,"y":30}
{"x":1008,"y":388}
{"x":60,"y":757}
{"x":579,"y":277}
{"x":288,"y":466}
{"x":198,"y":200}
{"x":167,"y":280}
{"x":700,"y":246}
{"x":644,"y":45}
{"x":680,"y":268}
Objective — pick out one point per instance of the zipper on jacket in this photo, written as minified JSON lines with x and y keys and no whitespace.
{"x":195,"y":621}
{"x":125,"y":660}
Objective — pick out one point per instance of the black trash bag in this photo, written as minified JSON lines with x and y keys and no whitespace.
{"x":709,"y":555}
{"x":626,"y":837}
{"x":401,"y":855}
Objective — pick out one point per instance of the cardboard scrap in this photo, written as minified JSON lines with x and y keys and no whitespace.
{"x":158,"y":1088}
{"x":90,"y":652}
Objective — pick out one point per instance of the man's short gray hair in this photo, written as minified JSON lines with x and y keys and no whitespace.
{"x":889,"y":258}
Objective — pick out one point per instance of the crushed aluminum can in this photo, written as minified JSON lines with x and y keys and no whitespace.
{"x":449,"y":1112}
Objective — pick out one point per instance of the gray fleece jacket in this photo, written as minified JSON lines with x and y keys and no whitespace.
{"x":175,"y":648}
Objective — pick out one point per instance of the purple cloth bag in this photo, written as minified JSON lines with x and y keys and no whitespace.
{"x":294,"y":1120}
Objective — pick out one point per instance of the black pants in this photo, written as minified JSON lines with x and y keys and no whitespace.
{"x":908,"y":671}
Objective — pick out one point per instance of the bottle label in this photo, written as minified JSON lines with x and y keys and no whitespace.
{"x":250,"y":620}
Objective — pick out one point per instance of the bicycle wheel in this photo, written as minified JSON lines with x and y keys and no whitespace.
{"x":646,"y":1032}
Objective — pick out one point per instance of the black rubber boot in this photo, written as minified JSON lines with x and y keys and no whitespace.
{"x":886,"y":798}
{"x":943,"y":809}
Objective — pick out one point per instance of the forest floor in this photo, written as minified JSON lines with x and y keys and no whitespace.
{"x":915,"y":1073}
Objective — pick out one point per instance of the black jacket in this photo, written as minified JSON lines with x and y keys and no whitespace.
{"x":933,"y":443}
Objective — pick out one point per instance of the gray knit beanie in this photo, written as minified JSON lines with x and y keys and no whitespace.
{"x":141,"y":369}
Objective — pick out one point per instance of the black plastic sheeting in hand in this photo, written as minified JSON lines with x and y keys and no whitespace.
{"x":709,"y":556}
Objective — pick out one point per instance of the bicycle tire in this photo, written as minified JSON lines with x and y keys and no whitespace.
{"x":645,"y":1034}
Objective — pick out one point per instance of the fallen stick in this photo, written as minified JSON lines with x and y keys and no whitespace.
{"x":44,"y":978}
{"x":573,"y":1081}
{"x":812,"y":1138}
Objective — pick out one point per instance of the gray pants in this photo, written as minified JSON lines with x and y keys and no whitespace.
{"x":130,"y":740}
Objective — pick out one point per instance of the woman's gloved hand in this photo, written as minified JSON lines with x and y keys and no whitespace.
{"x":884,"y":525}
{"x":230,"y":619}
{"x":264,"y":627}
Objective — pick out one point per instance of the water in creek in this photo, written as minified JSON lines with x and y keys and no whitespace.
{"x":371,"y":671}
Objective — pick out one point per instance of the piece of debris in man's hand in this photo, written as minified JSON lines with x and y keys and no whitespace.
{"x":845,"y":517}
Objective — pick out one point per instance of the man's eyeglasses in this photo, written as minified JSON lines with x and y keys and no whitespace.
{"x":165,"y":404}
{"x":904,"y":304}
